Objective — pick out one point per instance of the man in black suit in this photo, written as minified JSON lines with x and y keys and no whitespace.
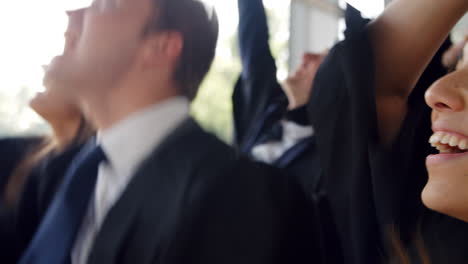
{"x":163,"y":190}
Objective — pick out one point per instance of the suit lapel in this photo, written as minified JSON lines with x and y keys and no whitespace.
{"x":156,"y":181}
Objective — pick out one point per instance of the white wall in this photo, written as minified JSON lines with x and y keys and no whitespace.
{"x":461,"y":30}
{"x":315,"y":24}
{"x":314,"y":27}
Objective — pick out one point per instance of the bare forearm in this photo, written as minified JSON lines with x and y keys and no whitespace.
{"x":405,"y":38}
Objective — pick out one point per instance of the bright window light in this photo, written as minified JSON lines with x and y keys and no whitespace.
{"x":369,"y":8}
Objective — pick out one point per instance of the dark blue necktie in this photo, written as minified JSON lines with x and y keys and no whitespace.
{"x":56,"y":234}
{"x":273,"y":134}
{"x":293,"y":153}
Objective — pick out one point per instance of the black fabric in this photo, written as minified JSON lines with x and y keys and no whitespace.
{"x":39,"y":189}
{"x":354,"y":20}
{"x":367,"y":187}
{"x":257,"y":92}
{"x":299,"y":116}
{"x":274,"y":133}
{"x":56,"y":235}
{"x":194,"y":200}
{"x":257,"y":115}
{"x":12,"y":152}
{"x":259,"y":103}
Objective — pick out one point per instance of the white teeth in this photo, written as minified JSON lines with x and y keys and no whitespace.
{"x":445,"y":142}
{"x":453,"y":141}
{"x":445,"y":139}
{"x":463,"y":144}
{"x":435,"y":138}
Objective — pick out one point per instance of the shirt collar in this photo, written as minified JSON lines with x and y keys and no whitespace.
{"x":131,"y":140}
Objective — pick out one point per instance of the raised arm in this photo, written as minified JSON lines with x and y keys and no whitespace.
{"x":257,"y":89}
{"x":404,"y":39}
{"x":253,"y":37}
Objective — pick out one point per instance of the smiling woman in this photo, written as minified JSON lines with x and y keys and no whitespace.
{"x":447,"y":187}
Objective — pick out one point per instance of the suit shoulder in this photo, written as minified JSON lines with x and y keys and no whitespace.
{"x":207,"y":147}
{"x":13,"y":149}
{"x":211,"y":162}
{"x":18,"y":142}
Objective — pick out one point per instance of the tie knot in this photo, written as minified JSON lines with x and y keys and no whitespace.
{"x":97,"y":154}
{"x":92,"y":153}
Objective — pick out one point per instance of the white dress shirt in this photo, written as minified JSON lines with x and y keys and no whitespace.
{"x":270,"y":152}
{"x":126,"y":144}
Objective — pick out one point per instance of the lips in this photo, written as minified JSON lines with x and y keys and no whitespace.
{"x":53,"y":63}
{"x":451,"y":146}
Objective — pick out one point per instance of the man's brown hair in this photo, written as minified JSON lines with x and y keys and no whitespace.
{"x":199,"y":29}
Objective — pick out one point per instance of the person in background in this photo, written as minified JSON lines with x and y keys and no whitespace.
{"x":454,"y":55}
{"x":270,"y":119}
{"x":69,"y":128}
{"x":29,"y":160}
{"x":371,"y":126}
{"x":153,"y":187}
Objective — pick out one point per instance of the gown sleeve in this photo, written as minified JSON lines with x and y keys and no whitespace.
{"x":257,"y":92}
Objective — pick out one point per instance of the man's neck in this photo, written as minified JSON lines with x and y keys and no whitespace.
{"x":108,"y":109}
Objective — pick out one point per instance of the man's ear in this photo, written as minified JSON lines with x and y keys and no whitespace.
{"x":162,"y":48}
{"x":174,"y":44}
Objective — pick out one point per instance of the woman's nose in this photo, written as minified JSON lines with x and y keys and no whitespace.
{"x":448,"y":94}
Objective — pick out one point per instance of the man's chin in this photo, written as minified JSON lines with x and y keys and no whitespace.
{"x":55,"y":60}
{"x":58,"y":64}
{"x":57,"y":74}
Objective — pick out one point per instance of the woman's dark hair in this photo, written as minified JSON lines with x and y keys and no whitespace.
{"x":47,"y":145}
{"x":399,"y":253}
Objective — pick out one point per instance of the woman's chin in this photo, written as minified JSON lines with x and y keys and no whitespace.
{"x":38,"y":97}
{"x":39,"y":102}
{"x":441,"y":198}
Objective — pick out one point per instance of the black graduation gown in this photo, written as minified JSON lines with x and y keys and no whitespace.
{"x":12,"y":151}
{"x":259,"y":103}
{"x":368,"y":188}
